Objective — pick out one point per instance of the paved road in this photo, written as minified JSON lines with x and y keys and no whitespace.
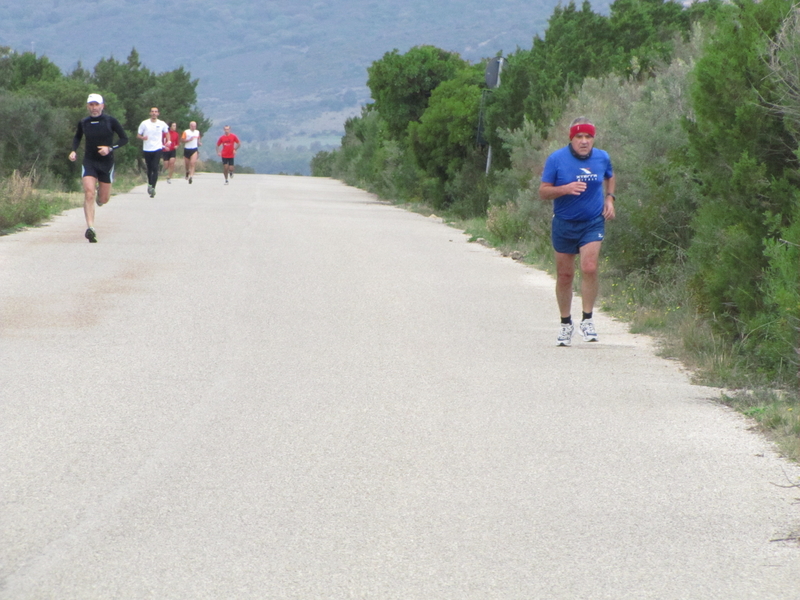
{"x":282,"y":388}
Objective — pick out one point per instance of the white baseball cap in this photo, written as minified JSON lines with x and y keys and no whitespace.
{"x":94,"y":98}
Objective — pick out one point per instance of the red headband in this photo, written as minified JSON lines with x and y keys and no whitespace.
{"x":581,"y":128}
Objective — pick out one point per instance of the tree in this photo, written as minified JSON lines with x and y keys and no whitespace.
{"x":446,"y":131}
{"x":643,"y":32}
{"x":784,"y":70}
{"x":19,"y":70}
{"x":577,"y":44}
{"x":401,"y":84}
{"x":33,"y":134}
{"x":743,"y":157}
{"x":175,"y":95}
{"x":129,"y":81}
{"x":537,"y":83}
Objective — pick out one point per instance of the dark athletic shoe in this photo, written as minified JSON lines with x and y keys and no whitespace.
{"x":190,"y":180}
{"x":91,"y":235}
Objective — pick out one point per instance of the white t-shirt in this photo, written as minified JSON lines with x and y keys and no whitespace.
{"x":190,"y":138}
{"x":155,"y":134}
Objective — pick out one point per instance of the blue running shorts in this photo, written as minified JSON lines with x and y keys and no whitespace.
{"x":569,"y":236}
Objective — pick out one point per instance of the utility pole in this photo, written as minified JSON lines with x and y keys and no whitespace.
{"x":493,"y":71}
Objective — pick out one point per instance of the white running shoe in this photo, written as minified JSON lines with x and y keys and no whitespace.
{"x":588,"y":332}
{"x":565,"y":334}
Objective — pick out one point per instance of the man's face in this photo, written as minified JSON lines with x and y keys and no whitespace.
{"x":227,"y":130}
{"x":192,"y":125}
{"x":153,"y":114}
{"x":95,"y":108}
{"x":582,"y":144}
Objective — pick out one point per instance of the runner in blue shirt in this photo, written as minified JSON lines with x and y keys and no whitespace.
{"x":579,"y":179}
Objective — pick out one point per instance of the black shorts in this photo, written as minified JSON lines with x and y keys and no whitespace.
{"x":188,"y":152}
{"x":102,"y":170}
{"x":227,"y":161}
{"x":168,"y":155}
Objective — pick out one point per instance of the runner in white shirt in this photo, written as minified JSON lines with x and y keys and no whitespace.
{"x":152,"y":132}
{"x":191,"y":142}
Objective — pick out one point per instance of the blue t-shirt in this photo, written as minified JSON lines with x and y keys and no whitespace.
{"x":562,"y":168}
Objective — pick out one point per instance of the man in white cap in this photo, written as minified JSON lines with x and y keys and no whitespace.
{"x":152,"y":131}
{"x":98,"y":157}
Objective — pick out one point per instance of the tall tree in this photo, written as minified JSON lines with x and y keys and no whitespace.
{"x":129,"y":81}
{"x":446,"y":131}
{"x":743,"y":155}
{"x":19,"y":70}
{"x":577,"y":44}
{"x":401,"y":84}
{"x":642,"y":32}
{"x":33,"y":134}
{"x":175,"y":95}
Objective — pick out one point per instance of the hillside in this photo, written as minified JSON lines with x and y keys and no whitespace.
{"x":280,"y":72}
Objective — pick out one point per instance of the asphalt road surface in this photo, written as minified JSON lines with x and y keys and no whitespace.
{"x":284,"y":388}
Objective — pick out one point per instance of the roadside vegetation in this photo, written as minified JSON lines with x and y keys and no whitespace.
{"x":699,"y":109}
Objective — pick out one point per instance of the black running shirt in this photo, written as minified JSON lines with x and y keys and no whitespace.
{"x":99,"y":131}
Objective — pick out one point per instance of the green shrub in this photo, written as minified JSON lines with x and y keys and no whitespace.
{"x":322,"y":164}
{"x":507,"y":223}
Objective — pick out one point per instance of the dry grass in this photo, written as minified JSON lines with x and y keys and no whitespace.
{"x":23,"y":204}
{"x":777,"y":414}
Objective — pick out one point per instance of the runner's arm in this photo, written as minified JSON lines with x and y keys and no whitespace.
{"x":118,"y":129}
{"x":76,"y":141}
{"x":548,"y":191}
{"x":609,"y":212}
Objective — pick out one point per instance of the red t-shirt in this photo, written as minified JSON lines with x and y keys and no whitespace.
{"x":171,"y":139}
{"x":228,"y":142}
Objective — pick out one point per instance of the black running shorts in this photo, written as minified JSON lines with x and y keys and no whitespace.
{"x":103,"y":170}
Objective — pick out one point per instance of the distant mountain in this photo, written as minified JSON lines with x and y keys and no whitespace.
{"x":281,"y":73}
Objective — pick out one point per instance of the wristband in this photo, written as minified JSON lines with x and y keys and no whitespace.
{"x":613,"y":197}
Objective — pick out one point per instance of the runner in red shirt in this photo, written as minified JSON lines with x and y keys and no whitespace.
{"x":171,"y":140}
{"x":229,"y":144}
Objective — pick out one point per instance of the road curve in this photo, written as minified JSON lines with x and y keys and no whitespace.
{"x":283,"y":388}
